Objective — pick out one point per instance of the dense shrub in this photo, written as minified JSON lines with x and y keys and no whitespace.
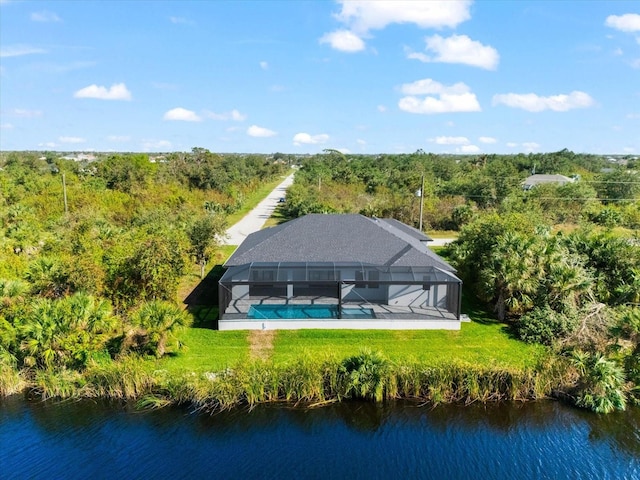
{"x":544,"y":325}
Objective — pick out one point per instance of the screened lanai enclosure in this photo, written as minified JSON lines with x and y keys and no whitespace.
{"x":267,"y":295}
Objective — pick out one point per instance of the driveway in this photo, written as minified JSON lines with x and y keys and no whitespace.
{"x":256,"y":218}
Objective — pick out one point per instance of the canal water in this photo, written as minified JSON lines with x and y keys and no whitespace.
{"x":537,"y":440}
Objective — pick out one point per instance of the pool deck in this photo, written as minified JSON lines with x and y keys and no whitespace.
{"x":386,"y":317}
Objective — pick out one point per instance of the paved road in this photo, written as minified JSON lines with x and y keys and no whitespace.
{"x":256,"y":218}
{"x":440,"y":242}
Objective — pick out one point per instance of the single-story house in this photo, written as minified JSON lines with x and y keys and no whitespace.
{"x":338,"y":271}
{"x":539,"y":179}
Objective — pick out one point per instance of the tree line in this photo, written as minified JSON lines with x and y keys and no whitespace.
{"x":100,"y":280}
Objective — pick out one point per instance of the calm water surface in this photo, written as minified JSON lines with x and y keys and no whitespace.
{"x":88,"y":440}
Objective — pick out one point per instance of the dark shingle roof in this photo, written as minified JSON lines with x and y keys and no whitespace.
{"x":339,"y":238}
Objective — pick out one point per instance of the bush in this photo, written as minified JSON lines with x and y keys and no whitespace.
{"x":600,"y":387}
{"x":364,"y":376}
{"x":544,"y":325}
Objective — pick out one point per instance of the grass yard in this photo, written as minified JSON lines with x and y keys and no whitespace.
{"x":207,"y":350}
{"x":476,"y":343}
{"x":482,"y":344}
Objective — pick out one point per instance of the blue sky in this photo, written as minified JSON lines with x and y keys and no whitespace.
{"x":302,"y":76}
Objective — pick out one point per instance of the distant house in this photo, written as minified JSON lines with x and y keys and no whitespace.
{"x":338,"y":271}
{"x":80,"y":157}
{"x":540,"y":179}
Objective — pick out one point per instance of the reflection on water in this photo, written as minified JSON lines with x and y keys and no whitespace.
{"x":349,"y":440}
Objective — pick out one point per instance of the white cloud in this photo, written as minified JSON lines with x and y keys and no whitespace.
{"x":45,"y":16}
{"x":618,"y":52}
{"x":535,"y":103}
{"x":73,"y":140}
{"x":450,"y":140}
{"x":468,"y":149}
{"x":117,"y":91}
{"x":629,"y":22}
{"x":232,"y":115}
{"x":512,"y":144}
{"x":237,"y":116}
{"x":48,"y":144}
{"x":180,"y":21}
{"x":24,"y":113}
{"x":343,"y":40}
{"x":458,"y":49}
{"x":118,"y":138}
{"x":6,"y":126}
{"x":363,"y":16}
{"x":381,"y":108}
{"x":450,"y":98}
{"x":359,"y":141}
{"x":466,"y":102}
{"x":256,"y":131}
{"x":182,"y":114}
{"x":264,"y":65}
{"x":487,"y":140}
{"x":427,"y":86}
{"x":360,"y":17}
{"x":307,"y":139}
{"x":156,"y":145}
{"x":19,"y":50}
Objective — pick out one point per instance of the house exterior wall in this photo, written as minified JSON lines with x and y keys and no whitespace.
{"x":410,"y":295}
{"x":375,"y":295}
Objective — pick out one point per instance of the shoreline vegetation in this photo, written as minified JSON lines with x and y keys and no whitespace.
{"x":88,"y":288}
{"x":308,"y":381}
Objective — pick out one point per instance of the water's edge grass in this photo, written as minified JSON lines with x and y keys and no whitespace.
{"x":305,"y":381}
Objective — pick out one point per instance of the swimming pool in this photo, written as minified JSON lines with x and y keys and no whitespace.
{"x":306,"y":311}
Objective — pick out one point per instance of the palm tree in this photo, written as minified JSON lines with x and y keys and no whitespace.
{"x":155,"y":325}
{"x":512,"y":274}
{"x":43,"y":331}
{"x":601,"y":384}
{"x":91,"y":325}
{"x":567,"y":282}
{"x":47,"y":278}
{"x":12,"y":297}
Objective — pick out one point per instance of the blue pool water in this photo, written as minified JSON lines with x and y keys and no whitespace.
{"x":306,"y":311}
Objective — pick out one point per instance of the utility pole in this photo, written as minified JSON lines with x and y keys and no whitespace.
{"x":64,"y":194}
{"x":421,"y":200}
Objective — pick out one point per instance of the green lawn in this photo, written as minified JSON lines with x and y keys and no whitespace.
{"x":207,"y":350}
{"x":477,"y":343}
